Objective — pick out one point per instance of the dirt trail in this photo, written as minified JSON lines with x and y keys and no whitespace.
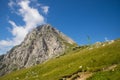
{"x":84,"y":76}
{"x":80,"y":76}
{"x":110,"y":68}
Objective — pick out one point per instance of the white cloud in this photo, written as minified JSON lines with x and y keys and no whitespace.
{"x":12,"y":23}
{"x":106,"y":39}
{"x":4,"y":43}
{"x":45,"y":9}
{"x":11,"y":4}
{"x":19,"y":33}
{"x":30,"y":15}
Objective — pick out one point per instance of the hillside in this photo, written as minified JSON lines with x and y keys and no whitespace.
{"x":40,"y":45}
{"x":94,"y":63}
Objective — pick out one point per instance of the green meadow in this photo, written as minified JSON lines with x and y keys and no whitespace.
{"x":95,"y":60}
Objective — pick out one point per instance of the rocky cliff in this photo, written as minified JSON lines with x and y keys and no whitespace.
{"x":41,"y":44}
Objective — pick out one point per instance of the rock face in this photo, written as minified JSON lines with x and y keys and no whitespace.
{"x":41,"y":44}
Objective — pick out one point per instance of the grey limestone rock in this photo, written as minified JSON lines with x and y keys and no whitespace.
{"x":40,"y":45}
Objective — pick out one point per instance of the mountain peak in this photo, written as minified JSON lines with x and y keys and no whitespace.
{"x":45,"y":26}
{"x":40,"y":45}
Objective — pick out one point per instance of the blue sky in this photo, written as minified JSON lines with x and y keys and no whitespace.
{"x":98,"y":19}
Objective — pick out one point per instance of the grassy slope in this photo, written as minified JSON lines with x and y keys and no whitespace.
{"x":107,"y":75}
{"x":91,"y":60}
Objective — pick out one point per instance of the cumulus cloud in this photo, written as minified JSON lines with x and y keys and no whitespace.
{"x":4,"y":43}
{"x":30,"y":15}
{"x":45,"y":9}
{"x":11,"y":4}
{"x":19,"y":32}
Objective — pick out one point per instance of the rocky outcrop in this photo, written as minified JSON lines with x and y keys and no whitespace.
{"x":41,"y":44}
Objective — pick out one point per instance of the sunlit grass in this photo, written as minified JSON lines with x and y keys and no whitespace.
{"x":76,"y":60}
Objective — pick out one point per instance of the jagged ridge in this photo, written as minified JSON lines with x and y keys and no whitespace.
{"x":41,"y":44}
